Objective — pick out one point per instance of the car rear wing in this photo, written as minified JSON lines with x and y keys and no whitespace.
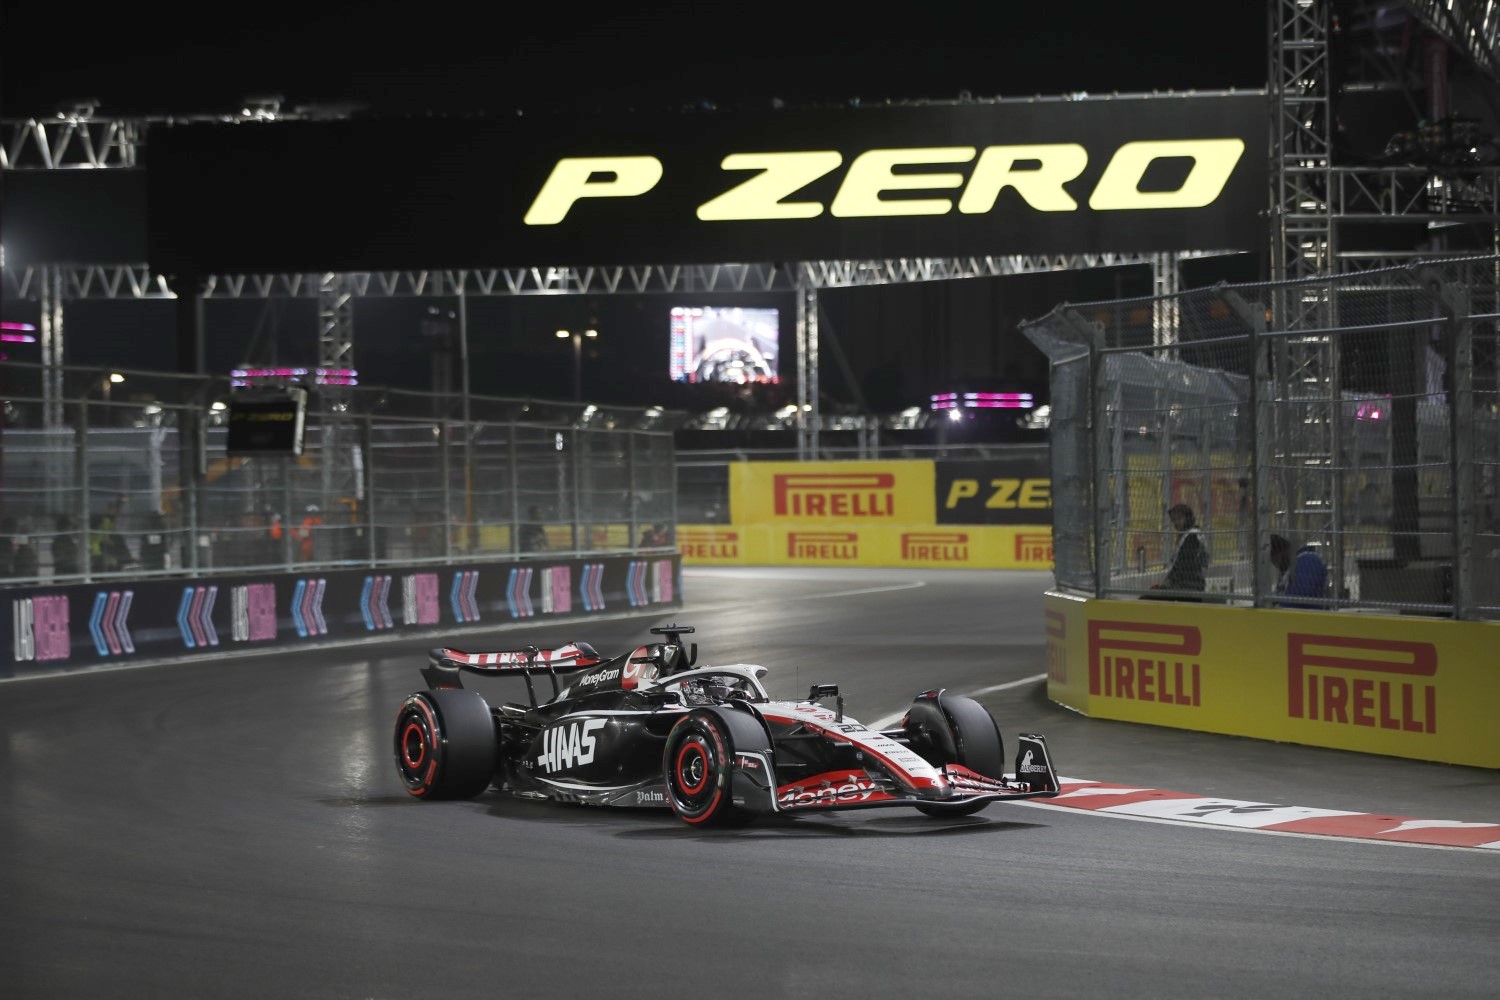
{"x":446,"y":665}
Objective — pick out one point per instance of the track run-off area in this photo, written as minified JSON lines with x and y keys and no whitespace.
{"x":236,"y":828}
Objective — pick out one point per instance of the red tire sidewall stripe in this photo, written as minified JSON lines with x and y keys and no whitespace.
{"x":425,"y":788}
{"x":713,"y":805}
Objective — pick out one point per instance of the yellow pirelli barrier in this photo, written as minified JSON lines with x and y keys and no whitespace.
{"x":1405,"y":687}
{"x":904,"y":513}
{"x":855,"y":544}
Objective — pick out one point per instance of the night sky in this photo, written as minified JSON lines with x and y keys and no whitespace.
{"x":407,"y":59}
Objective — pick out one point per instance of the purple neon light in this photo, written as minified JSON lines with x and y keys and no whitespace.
{"x":23,"y":327}
{"x":17,"y":338}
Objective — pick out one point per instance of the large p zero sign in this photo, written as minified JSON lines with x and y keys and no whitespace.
{"x":1046,"y":176}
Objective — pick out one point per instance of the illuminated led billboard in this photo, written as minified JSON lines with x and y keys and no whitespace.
{"x":724,"y":345}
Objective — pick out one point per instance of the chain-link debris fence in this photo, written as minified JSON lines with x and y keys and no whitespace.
{"x":1322,"y":444}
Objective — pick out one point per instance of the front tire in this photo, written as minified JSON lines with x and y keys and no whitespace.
{"x":697,"y":766}
{"x":955,"y":730}
{"x":445,"y":744}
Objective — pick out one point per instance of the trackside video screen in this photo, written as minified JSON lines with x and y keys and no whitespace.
{"x":710,"y":344}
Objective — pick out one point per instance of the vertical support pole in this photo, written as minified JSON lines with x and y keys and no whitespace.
{"x":1120,"y":496}
{"x":367,"y":433}
{"x":50,"y":334}
{"x":1099,"y":415}
{"x":631,"y":485}
{"x":672,"y":450}
{"x":802,"y":387}
{"x":1253,"y":318}
{"x":470,"y":533}
{"x":1459,"y":343}
{"x":85,"y":556}
{"x":1335,"y":349}
{"x":192,"y":464}
{"x":576,"y":444}
{"x":446,"y":463}
{"x":1165,"y":285}
{"x":286,"y":511}
{"x":813,"y":392}
{"x":515,"y":488}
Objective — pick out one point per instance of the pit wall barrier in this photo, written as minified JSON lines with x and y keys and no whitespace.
{"x":977,"y":514}
{"x":64,"y":628}
{"x":1403,"y":687}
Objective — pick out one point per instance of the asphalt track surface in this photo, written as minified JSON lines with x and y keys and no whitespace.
{"x":236,"y":829}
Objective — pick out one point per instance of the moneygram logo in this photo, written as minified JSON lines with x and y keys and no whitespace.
{"x":1362,"y":682}
{"x":934,"y":546}
{"x":835,"y":494}
{"x":698,"y":543}
{"x":1034,"y":547}
{"x":842,"y":545}
{"x":1167,"y":673}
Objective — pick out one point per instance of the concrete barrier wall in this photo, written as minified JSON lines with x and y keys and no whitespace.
{"x":1426,"y":689}
{"x":54,"y":628}
{"x":977,"y":514}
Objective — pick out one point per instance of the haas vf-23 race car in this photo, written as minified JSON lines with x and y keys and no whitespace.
{"x":650,"y":728}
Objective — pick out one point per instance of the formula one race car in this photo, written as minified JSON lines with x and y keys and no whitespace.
{"x":649,"y":728}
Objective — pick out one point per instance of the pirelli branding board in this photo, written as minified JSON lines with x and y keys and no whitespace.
{"x":1362,"y":682}
{"x":849,"y":543}
{"x":831,"y":492}
{"x":882,"y":514}
{"x":1423,"y":689}
{"x":1137,"y":661}
{"x":1167,"y":172}
{"x":708,"y":545}
{"x":994,"y":491}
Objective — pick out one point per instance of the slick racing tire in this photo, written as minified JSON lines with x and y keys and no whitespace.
{"x":949,"y":729}
{"x":445,"y":744}
{"x":697,"y":767}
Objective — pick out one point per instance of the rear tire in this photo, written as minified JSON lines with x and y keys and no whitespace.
{"x":950,"y":729}
{"x":445,"y":744}
{"x":697,"y":765}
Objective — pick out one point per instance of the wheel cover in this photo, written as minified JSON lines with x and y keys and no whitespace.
{"x":692,"y":766}
{"x":416,"y":746}
{"x":694,"y":782}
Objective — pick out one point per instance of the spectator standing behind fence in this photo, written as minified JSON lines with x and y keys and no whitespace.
{"x":655,"y":537}
{"x":1304,"y":576}
{"x":306,"y":533}
{"x":1189,"y":558}
{"x":533,"y":534}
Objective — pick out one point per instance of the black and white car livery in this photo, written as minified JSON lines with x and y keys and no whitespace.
{"x":649,"y":728}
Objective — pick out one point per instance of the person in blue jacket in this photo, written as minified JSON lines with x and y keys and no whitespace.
{"x":1306,"y":575}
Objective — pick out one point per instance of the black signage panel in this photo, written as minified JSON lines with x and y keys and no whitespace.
{"x":266,"y":424}
{"x":82,"y":625}
{"x":1047,"y":176}
{"x":994,"y":491}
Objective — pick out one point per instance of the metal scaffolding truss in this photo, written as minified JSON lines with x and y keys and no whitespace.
{"x":1303,"y":208}
{"x":1471,"y":26}
{"x":136,"y":281}
{"x":70,"y":141}
{"x":1301,"y":163}
{"x":1417,"y":194}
